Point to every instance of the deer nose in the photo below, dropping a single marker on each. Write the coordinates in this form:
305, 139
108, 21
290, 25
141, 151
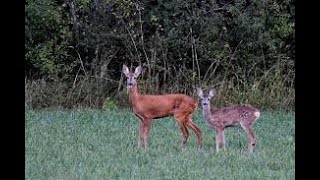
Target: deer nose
205, 104
130, 84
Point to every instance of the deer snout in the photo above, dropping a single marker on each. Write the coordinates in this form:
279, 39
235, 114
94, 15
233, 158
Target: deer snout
205, 104
130, 84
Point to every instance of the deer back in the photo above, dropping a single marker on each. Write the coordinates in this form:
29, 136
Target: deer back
233, 115
157, 106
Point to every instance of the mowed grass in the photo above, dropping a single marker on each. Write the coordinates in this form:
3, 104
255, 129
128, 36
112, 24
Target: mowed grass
92, 144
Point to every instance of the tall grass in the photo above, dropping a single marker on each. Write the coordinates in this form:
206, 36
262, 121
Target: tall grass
270, 89
91, 144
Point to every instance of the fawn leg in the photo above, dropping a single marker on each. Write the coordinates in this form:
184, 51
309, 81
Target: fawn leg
250, 136
252, 140
219, 139
223, 140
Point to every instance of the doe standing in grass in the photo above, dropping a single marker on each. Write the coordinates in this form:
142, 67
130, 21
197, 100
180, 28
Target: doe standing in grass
236, 115
149, 107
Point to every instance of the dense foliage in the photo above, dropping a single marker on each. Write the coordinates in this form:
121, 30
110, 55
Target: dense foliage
245, 48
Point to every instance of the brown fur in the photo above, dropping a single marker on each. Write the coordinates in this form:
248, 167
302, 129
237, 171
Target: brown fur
149, 107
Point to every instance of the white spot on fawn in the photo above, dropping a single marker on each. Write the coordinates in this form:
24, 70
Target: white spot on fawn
257, 114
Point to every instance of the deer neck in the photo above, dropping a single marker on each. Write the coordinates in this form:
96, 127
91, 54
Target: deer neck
134, 95
206, 113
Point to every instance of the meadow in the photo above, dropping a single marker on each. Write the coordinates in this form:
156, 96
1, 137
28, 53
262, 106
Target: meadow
96, 144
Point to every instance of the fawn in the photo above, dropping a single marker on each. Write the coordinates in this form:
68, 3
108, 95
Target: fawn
149, 107
236, 115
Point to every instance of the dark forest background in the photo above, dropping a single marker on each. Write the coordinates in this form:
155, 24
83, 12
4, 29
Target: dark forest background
74, 50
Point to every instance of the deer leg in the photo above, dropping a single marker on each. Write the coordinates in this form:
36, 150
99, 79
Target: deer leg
179, 118
181, 121
196, 130
141, 128
185, 133
146, 132
250, 136
140, 135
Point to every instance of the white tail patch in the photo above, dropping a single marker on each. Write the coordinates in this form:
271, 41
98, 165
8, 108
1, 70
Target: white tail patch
257, 114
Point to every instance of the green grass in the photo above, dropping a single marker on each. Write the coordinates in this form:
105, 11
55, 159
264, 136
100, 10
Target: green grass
92, 144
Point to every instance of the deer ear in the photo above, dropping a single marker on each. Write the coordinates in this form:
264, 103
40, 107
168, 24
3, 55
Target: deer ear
200, 92
125, 70
212, 93
138, 71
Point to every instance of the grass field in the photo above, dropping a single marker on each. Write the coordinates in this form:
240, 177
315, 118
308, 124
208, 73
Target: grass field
92, 144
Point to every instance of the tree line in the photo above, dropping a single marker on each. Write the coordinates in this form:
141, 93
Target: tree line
74, 49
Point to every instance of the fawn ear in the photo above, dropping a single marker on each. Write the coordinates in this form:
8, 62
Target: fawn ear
200, 92
212, 93
125, 70
138, 71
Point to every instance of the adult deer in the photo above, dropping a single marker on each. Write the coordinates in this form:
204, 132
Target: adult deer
236, 115
149, 107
